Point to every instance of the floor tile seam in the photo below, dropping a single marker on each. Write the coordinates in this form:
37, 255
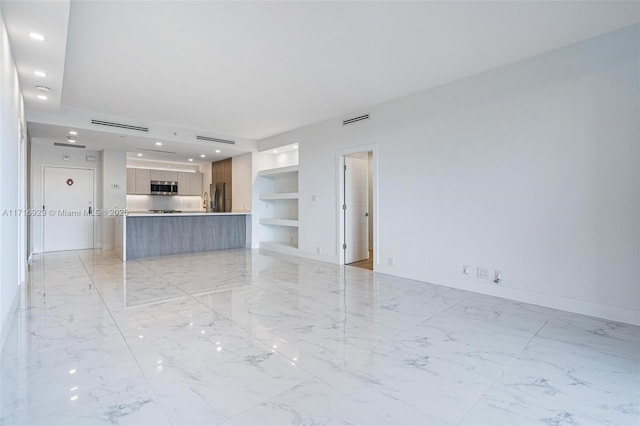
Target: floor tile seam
210, 308
430, 318
126, 342
508, 365
226, 419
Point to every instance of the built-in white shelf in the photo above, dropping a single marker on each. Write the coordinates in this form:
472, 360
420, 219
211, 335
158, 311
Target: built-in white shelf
280, 196
279, 222
279, 247
280, 171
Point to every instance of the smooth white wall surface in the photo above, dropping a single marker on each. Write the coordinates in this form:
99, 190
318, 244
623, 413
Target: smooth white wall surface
241, 176
114, 173
48, 155
11, 114
532, 169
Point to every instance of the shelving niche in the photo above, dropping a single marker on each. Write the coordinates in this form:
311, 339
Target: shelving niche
277, 192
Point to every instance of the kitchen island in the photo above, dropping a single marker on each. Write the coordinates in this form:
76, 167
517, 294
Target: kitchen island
140, 235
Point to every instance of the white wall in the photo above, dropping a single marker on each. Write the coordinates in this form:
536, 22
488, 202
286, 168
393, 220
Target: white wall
114, 191
48, 155
532, 169
241, 176
12, 158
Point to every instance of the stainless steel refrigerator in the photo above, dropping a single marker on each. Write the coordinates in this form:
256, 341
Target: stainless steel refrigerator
218, 195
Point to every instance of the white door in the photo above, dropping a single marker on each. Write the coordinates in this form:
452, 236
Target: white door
356, 215
68, 203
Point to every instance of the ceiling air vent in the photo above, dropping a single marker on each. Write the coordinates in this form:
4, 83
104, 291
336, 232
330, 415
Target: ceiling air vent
120, 125
355, 119
207, 138
69, 145
155, 150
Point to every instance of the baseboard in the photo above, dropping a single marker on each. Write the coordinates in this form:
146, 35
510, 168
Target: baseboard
8, 320
608, 312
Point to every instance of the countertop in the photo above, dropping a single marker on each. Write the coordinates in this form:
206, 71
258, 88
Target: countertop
149, 214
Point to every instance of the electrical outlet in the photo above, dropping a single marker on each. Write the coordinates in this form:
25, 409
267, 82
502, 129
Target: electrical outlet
390, 261
313, 198
466, 269
483, 273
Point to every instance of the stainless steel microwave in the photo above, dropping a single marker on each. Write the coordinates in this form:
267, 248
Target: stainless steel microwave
164, 188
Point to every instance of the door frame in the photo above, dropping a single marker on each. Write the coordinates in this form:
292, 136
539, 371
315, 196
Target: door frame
23, 243
93, 201
340, 155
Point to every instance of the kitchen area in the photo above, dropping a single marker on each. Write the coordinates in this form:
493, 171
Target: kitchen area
185, 208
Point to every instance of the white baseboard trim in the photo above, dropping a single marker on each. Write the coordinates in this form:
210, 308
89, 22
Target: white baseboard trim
583, 307
7, 322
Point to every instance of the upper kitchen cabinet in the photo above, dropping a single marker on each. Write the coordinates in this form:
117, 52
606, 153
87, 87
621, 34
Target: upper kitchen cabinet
196, 183
164, 175
138, 181
184, 183
131, 181
189, 183
143, 181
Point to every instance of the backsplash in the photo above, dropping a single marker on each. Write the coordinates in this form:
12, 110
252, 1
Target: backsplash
144, 203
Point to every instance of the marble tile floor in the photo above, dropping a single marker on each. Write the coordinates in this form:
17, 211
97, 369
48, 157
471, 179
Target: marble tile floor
244, 337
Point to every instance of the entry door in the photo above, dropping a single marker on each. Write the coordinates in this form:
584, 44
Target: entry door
356, 216
68, 203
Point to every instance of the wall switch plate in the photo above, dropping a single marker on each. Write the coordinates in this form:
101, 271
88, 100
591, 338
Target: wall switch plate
483, 273
390, 261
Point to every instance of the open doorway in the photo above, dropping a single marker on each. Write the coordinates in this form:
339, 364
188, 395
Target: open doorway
358, 209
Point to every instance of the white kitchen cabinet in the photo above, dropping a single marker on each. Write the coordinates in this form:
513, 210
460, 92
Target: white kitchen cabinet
196, 183
131, 181
143, 181
164, 175
184, 183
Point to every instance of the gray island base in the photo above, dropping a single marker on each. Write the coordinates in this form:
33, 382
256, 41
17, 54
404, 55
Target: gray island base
167, 234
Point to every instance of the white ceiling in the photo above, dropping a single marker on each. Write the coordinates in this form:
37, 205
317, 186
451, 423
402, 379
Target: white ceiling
255, 69
169, 151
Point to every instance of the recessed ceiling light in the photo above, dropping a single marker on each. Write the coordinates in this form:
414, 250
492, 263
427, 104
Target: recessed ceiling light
139, 154
43, 88
43, 97
275, 151
40, 73
190, 159
71, 140
158, 143
37, 36
295, 147
217, 151
202, 155
73, 132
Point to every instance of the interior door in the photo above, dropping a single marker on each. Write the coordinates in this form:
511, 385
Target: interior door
356, 215
69, 207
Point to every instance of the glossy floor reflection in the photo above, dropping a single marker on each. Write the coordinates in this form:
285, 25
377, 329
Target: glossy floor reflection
247, 338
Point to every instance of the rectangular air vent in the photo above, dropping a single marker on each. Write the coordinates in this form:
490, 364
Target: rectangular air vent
69, 145
207, 138
355, 119
155, 150
120, 125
